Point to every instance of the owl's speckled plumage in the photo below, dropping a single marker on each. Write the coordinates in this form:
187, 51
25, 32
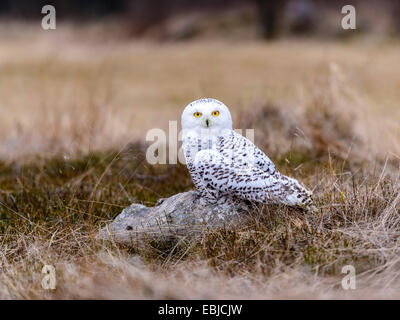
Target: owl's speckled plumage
225, 165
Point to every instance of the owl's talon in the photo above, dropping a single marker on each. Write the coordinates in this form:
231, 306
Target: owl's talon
312, 209
160, 201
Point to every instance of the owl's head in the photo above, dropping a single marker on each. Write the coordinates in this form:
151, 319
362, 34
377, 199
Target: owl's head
206, 115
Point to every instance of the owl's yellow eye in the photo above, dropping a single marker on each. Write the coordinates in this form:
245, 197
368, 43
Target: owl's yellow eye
215, 113
197, 114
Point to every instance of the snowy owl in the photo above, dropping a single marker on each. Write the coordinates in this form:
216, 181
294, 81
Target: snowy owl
225, 165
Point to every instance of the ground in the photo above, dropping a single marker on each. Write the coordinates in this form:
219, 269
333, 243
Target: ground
74, 112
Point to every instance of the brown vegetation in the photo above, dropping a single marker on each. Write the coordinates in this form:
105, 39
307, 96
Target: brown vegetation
72, 130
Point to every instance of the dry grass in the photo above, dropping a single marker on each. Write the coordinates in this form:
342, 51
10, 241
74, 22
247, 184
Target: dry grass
61, 92
327, 114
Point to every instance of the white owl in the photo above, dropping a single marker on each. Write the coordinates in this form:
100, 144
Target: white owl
225, 165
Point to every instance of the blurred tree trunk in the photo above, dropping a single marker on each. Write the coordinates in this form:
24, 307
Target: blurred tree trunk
147, 14
270, 12
396, 15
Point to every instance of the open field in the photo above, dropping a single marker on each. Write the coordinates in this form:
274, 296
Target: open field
74, 112
63, 92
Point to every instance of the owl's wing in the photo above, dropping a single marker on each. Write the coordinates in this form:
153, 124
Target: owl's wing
221, 176
244, 152
231, 170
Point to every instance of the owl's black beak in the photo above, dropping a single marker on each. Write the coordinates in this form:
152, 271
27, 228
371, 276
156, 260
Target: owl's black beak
208, 123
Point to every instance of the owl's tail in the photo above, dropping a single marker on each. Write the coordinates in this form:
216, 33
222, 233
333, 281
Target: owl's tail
298, 195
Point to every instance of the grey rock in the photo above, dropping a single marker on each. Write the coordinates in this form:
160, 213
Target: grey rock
184, 214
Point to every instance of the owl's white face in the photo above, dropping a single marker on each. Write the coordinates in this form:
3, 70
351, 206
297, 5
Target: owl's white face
206, 117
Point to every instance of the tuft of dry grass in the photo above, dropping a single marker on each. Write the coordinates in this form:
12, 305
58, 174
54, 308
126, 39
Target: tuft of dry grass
72, 149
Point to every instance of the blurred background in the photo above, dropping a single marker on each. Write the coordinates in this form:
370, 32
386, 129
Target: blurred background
114, 69
188, 19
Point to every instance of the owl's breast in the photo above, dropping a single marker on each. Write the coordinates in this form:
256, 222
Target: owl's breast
191, 146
